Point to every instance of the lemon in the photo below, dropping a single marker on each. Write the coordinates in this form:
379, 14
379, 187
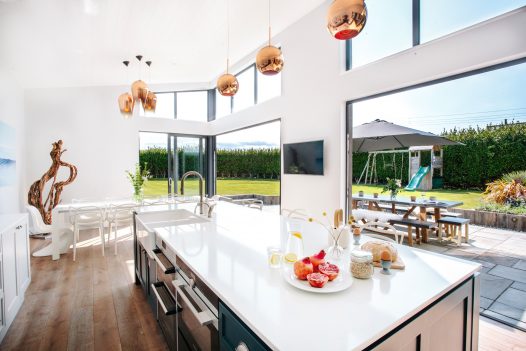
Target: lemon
291, 257
297, 235
274, 259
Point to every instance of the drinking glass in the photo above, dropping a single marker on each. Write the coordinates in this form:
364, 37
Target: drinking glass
274, 256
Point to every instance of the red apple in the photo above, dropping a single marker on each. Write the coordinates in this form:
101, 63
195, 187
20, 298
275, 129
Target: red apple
303, 268
317, 259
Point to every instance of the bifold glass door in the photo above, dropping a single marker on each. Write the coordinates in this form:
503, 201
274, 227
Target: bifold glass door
168, 157
186, 154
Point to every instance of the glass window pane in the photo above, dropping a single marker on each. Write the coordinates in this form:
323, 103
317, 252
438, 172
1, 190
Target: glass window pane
268, 87
192, 105
439, 18
388, 30
245, 95
487, 98
165, 106
222, 105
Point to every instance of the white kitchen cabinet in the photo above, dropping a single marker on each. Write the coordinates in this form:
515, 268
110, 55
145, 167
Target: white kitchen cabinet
15, 272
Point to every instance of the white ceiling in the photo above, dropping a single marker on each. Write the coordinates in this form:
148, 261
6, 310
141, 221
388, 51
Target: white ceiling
83, 42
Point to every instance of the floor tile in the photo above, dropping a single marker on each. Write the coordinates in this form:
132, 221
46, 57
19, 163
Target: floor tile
508, 311
484, 264
460, 254
485, 302
513, 297
504, 319
519, 286
490, 234
520, 265
510, 273
497, 258
491, 287
513, 245
483, 243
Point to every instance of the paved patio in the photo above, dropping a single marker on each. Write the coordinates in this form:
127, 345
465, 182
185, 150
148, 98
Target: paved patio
502, 254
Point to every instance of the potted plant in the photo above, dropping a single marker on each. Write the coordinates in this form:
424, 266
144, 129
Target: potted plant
137, 180
393, 186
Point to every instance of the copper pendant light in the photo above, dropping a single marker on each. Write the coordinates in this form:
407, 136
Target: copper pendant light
125, 100
227, 84
126, 104
269, 60
139, 88
346, 18
149, 103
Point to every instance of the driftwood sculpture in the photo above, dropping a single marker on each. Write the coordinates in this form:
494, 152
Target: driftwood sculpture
34, 197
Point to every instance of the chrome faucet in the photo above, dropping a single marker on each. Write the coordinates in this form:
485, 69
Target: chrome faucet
201, 180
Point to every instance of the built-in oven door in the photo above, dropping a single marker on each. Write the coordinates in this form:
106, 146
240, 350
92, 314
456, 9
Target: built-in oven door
197, 325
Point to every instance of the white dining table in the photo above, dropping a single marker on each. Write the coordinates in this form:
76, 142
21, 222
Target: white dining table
62, 231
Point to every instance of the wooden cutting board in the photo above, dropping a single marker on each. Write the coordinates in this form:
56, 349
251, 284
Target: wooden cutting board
398, 264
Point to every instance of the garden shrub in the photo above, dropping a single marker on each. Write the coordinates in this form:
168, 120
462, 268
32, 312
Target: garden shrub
236, 163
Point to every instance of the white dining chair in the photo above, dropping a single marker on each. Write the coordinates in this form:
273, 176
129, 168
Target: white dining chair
119, 216
86, 217
36, 223
298, 213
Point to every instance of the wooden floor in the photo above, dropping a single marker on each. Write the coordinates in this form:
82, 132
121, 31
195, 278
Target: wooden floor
90, 304
93, 304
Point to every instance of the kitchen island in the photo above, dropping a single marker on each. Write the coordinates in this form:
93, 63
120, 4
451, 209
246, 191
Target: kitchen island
432, 305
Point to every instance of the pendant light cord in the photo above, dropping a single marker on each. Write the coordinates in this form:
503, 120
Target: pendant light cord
269, 30
227, 34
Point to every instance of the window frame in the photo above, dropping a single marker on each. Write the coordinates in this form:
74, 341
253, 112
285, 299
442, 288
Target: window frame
416, 30
349, 115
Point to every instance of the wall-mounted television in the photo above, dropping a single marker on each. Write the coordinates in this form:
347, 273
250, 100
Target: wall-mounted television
303, 158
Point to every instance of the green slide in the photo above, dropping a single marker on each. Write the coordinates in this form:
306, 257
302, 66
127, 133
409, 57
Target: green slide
417, 178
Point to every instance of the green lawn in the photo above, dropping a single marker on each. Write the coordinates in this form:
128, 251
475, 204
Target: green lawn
470, 198
159, 187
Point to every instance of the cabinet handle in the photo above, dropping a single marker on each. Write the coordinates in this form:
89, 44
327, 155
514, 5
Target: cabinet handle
203, 317
242, 347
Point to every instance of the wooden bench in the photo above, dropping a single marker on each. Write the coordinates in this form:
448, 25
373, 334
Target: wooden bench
453, 226
420, 227
443, 213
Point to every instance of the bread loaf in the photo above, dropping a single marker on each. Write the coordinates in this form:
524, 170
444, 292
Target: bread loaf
376, 247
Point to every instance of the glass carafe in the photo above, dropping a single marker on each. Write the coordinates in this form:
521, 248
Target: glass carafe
294, 249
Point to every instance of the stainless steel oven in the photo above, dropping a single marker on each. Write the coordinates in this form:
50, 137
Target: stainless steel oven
197, 319
188, 309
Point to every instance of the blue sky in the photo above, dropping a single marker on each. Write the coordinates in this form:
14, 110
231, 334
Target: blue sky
471, 101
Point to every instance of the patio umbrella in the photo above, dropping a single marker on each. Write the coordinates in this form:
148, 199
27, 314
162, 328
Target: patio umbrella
382, 135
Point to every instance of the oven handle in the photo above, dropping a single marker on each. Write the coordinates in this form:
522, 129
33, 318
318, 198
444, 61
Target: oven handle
203, 318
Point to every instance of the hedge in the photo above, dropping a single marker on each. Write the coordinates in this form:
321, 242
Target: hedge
252, 163
488, 153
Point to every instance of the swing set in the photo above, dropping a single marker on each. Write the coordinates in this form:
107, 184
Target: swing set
370, 169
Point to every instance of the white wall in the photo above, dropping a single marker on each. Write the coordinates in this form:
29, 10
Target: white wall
12, 197
314, 91
99, 141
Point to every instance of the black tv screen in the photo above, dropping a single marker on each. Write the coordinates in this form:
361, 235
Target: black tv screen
303, 158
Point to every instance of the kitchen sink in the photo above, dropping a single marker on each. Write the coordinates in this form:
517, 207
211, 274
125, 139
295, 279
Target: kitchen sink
170, 218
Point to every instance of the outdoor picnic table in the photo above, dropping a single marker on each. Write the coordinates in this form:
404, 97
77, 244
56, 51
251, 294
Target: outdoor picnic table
422, 204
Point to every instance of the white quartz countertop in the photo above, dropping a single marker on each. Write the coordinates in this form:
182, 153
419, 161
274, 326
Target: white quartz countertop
229, 252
